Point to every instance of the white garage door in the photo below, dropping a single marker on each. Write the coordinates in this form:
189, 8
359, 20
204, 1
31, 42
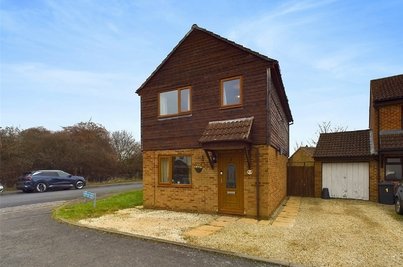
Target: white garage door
346, 180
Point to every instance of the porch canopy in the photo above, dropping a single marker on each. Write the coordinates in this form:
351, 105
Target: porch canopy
227, 135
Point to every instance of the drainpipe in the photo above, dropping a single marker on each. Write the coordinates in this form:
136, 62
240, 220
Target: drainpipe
378, 142
268, 88
257, 185
154, 177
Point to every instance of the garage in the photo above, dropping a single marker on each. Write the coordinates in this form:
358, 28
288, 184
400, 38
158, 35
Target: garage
346, 180
345, 163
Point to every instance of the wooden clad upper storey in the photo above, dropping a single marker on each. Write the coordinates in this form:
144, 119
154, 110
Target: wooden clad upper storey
208, 78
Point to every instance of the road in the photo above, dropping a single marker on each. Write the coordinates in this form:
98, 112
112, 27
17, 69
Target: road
19, 198
30, 237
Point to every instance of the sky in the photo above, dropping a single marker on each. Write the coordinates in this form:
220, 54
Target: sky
63, 62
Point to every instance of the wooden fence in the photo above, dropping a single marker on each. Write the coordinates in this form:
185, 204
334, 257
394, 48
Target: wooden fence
301, 179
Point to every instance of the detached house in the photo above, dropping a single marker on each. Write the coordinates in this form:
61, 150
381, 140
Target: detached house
352, 164
215, 129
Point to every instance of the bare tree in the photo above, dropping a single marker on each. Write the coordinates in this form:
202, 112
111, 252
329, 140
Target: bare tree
325, 127
85, 148
128, 152
297, 145
124, 144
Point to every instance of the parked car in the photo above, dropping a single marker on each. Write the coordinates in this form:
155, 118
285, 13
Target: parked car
399, 198
42, 180
1, 188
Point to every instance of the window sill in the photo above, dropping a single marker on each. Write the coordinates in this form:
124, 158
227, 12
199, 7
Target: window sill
231, 107
175, 185
174, 117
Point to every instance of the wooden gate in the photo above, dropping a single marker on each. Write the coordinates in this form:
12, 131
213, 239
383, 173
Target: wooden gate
301, 179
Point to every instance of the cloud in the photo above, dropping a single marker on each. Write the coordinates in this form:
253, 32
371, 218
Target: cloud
309, 33
40, 78
292, 7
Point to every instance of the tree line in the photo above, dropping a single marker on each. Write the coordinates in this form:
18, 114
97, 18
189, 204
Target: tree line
85, 149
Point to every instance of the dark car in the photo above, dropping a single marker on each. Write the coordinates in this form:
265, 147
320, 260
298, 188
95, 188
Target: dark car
42, 180
399, 198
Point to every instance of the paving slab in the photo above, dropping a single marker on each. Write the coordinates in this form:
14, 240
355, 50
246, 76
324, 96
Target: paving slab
248, 221
290, 221
198, 233
227, 219
203, 230
286, 218
291, 208
210, 228
219, 223
281, 224
264, 222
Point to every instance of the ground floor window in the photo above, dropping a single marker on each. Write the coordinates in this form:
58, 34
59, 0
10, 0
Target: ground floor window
175, 170
393, 169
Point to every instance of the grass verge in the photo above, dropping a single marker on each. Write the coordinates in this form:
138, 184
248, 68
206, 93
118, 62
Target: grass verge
114, 181
77, 211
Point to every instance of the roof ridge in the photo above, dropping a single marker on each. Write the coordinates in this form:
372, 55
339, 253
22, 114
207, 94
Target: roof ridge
383, 78
352, 131
196, 27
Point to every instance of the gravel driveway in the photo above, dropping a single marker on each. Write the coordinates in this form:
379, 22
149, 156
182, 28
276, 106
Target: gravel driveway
325, 233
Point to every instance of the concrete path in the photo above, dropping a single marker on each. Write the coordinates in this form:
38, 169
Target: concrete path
287, 216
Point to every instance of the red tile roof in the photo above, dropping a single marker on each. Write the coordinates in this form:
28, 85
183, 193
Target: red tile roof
228, 130
389, 88
344, 144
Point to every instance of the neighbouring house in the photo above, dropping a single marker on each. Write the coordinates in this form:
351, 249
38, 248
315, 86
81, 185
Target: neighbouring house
302, 156
215, 129
352, 164
386, 122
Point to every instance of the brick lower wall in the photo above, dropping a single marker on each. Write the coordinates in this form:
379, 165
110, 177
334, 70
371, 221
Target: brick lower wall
277, 178
318, 178
202, 196
373, 180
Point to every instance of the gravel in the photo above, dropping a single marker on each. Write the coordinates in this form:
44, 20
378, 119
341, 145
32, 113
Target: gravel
325, 233
168, 225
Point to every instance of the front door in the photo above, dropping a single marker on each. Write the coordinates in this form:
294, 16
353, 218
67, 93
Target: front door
230, 182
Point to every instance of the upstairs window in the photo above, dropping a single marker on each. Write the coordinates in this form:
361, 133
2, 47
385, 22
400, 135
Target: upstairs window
175, 102
231, 92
